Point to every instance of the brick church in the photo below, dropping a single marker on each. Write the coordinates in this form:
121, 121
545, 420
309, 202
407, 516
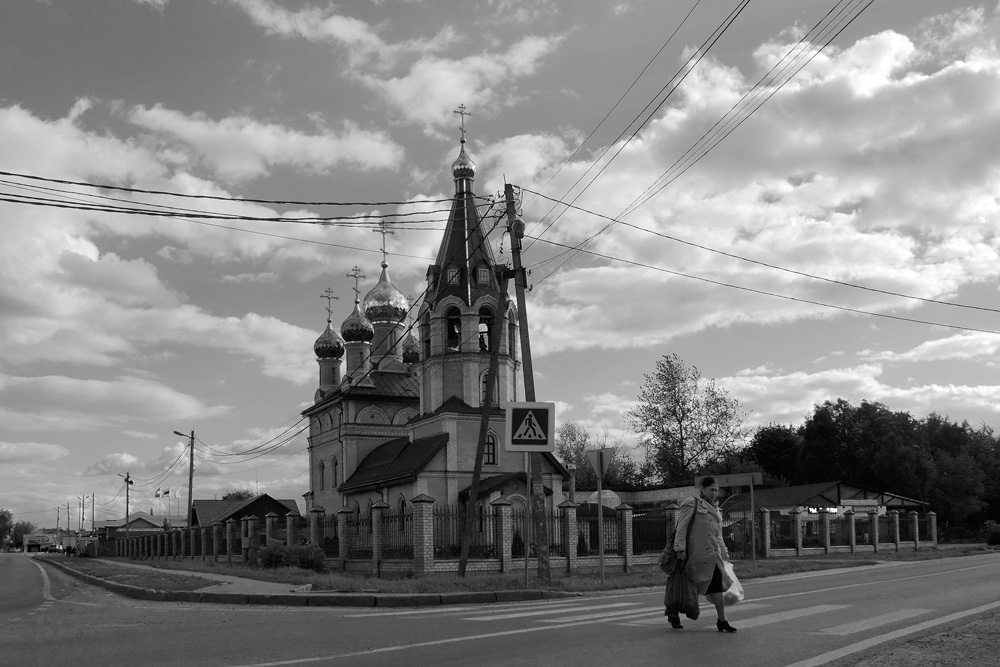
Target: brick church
398, 409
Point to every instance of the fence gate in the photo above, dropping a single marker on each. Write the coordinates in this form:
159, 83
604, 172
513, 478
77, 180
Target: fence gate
738, 520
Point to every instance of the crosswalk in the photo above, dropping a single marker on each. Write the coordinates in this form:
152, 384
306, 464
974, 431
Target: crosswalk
641, 614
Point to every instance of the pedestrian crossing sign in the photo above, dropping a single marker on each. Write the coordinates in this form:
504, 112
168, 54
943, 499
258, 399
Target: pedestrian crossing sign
530, 427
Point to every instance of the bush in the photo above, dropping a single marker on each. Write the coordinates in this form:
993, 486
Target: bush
304, 556
992, 533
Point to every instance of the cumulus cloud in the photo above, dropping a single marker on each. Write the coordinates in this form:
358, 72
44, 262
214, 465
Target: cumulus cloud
240, 147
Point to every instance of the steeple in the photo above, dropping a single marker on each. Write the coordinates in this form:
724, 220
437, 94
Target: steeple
329, 349
358, 333
386, 307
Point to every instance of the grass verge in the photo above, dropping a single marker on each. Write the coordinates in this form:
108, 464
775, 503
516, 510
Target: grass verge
182, 575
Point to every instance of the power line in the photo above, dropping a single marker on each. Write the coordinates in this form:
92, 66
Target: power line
766, 264
773, 294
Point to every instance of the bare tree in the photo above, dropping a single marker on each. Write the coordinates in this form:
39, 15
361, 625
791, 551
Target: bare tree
685, 422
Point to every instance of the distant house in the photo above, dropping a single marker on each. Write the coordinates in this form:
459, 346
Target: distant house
833, 497
209, 512
138, 523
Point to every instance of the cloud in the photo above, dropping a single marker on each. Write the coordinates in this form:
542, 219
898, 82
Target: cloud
68, 404
240, 147
112, 463
30, 452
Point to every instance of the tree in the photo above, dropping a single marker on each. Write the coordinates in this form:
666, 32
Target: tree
239, 494
6, 525
684, 422
775, 449
571, 446
20, 529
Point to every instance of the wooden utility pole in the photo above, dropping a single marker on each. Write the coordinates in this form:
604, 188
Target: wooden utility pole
190, 476
499, 322
515, 228
128, 519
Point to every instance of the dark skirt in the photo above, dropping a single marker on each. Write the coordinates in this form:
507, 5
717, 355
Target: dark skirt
715, 586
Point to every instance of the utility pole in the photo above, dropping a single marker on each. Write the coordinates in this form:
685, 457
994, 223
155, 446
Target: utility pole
128, 485
93, 515
83, 505
515, 228
190, 476
58, 512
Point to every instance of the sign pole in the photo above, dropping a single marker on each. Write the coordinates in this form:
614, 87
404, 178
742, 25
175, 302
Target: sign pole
525, 538
753, 528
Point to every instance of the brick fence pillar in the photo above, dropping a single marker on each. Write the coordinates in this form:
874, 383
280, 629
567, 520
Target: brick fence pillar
852, 533
932, 526
344, 536
423, 533
178, 543
216, 541
185, 538
570, 531
270, 526
795, 525
915, 527
203, 539
873, 528
824, 522
230, 539
291, 524
378, 539
502, 530
624, 512
765, 525
316, 516
895, 527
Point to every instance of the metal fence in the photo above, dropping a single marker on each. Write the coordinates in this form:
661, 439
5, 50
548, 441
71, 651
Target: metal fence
782, 536
397, 533
812, 533
448, 525
329, 540
886, 528
587, 539
651, 530
840, 531
360, 528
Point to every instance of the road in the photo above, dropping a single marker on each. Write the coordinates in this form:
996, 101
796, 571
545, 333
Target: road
806, 621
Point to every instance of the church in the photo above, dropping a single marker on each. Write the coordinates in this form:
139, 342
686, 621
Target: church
398, 408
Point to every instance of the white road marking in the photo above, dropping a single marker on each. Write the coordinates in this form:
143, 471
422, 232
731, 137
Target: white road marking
611, 615
438, 609
750, 606
792, 614
550, 610
873, 622
836, 654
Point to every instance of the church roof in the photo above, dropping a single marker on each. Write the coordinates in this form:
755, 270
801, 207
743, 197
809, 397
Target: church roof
394, 462
488, 485
385, 384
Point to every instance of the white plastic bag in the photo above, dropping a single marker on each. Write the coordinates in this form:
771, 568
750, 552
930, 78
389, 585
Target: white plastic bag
734, 593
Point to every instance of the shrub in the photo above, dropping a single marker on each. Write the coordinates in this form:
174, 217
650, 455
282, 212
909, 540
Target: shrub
992, 533
271, 556
306, 556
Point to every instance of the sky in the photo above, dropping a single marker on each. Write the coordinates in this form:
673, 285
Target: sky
797, 197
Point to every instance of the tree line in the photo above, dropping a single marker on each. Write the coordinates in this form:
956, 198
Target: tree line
688, 426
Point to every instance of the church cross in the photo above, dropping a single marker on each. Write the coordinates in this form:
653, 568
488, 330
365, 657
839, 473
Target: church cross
357, 275
328, 295
463, 113
384, 231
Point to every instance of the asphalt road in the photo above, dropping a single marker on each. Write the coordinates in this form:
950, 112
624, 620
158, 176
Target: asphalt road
48, 618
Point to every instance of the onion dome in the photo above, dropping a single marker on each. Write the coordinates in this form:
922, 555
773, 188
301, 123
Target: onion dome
411, 350
357, 327
329, 345
463, 167
385, 302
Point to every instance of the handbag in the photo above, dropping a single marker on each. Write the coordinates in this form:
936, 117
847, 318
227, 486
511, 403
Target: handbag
668, 557
681, 596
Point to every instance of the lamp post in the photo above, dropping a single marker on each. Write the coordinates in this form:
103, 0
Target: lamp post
190, 475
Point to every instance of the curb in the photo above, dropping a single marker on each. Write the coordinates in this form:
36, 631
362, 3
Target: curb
313, 598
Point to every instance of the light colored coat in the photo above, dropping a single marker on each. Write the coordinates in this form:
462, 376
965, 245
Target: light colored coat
707, 549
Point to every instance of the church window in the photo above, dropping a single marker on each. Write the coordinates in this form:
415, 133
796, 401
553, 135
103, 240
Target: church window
490, 451
401, 506
334, 466
482, 390
452, 276
357, 518
453, 324
485, 325
484, 276
322, 475
425, 334
511, 338
369, 517
480, 518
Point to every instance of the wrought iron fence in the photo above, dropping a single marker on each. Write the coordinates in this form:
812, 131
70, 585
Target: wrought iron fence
651, 530
329, 540
840, 531
448, 525
886, 529
781, 528
360, 528
862, 529
523, 534
554, 523
905, 528
587, 540
397, 534
812, 533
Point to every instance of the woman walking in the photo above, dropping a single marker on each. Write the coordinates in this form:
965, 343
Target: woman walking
706, 553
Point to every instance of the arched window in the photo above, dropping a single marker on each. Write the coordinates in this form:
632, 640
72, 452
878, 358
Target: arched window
322, 475
334, 466
490, 451
425, 334
511, 338
357, 518
401, 506
453, 327
494, 400
370, 503
485, 326
480, 518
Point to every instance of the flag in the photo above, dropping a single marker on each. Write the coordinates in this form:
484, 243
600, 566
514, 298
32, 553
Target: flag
157, 494
167, 492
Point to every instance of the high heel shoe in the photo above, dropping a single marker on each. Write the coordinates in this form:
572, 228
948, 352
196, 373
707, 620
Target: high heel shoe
723, 626
675, 622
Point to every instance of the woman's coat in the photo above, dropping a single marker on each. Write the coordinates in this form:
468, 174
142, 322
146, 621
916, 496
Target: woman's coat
707, 549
